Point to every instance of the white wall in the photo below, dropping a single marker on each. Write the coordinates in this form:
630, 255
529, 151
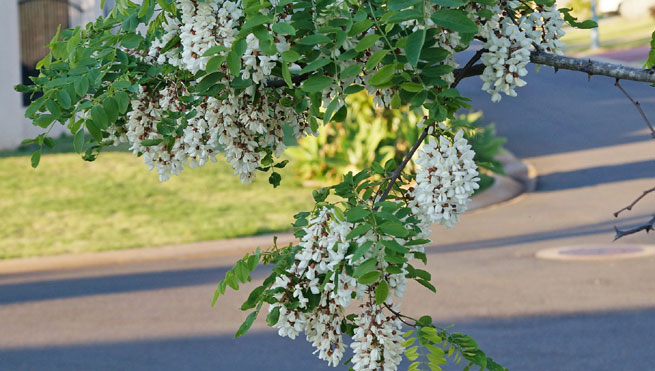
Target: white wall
11, 110
14, 127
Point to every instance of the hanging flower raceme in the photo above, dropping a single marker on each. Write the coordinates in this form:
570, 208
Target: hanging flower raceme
446, 179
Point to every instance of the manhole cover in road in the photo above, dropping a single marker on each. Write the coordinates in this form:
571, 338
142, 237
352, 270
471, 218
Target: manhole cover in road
596, 252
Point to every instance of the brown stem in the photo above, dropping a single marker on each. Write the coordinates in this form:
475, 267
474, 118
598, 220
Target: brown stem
637, 106
401, 316
629, 207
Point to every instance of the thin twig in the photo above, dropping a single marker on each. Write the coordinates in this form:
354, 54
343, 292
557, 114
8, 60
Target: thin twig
401, 316
629, 207
649, 226
638, 106
396, 173
461, 73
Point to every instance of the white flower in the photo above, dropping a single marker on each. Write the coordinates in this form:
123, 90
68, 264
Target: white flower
446, 179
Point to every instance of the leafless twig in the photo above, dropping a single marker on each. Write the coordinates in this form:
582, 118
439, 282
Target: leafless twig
638, 106
629, 207
649, 226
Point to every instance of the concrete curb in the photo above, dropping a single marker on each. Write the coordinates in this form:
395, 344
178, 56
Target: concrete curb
520, 178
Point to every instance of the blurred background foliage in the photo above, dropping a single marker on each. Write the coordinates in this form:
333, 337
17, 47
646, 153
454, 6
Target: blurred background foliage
369, 134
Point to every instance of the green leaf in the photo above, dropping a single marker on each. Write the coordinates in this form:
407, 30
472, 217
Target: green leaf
131, 41
412, 87
414, 46
123, 101
356, 214
36, 158
316, 83
434, 55
290, 56
650, 62
99, 117
275, 179
111, 109
151, 142
454, 19
253, 298
174, 42
405, 15
383, 76
94, 130
286, 74
352, 89
208, 81
245, 326
283, 28
78, 141
361, 250
214, 50
360, 27
214, 63
366, 42
449, 3
256, 20
358, 231
234, 63
425, 321
369, 278
273, 317
381, 292
220, 290
52, 107
64, 98
375, 59
351, 71
322, 62
393, 245
427, 284
314, 40
366, 267
394, 229
573, 21
400, 4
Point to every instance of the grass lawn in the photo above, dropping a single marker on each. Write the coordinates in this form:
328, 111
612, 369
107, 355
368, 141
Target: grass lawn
614, 33
68, 205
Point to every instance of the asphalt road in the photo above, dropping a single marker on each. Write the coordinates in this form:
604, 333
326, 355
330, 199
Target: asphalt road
593, 155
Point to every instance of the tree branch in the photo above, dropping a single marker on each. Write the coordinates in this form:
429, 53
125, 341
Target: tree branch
638, 106
396, 173
629, 207
649, 226
617, 71
590, 67
461, 72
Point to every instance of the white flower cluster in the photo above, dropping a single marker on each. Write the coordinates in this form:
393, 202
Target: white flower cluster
378, 339
544, 27
244, 125
509, 41
241, 127
446, 179
323, 251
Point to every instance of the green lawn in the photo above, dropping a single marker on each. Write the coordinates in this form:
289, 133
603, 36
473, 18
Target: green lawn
67, 205
614, 33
